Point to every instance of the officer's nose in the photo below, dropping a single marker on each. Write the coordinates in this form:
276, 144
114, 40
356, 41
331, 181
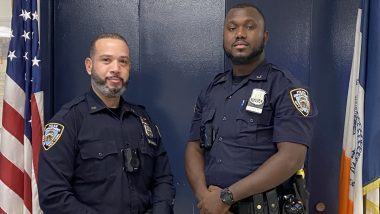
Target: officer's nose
115, 66
241, 33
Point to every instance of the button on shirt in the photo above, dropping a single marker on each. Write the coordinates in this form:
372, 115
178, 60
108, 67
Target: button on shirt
83, 172
244, 140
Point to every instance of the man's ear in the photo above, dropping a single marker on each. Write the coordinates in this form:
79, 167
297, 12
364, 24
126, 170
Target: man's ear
266, 37
88, 64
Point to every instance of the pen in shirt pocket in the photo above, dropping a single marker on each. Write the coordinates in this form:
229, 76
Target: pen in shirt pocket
242, 105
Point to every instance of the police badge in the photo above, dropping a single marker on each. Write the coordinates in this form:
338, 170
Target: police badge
148, 132
256, 101
52, 133
300, 99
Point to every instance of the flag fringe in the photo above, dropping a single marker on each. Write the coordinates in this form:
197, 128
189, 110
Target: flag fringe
371, 186
371, 207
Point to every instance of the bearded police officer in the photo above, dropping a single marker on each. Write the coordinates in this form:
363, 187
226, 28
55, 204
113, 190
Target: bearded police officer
251, 128
101, 154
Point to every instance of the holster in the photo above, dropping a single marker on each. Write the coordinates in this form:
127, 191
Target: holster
296, 198
301, 191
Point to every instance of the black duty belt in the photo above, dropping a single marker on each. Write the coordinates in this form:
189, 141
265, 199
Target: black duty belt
262, 203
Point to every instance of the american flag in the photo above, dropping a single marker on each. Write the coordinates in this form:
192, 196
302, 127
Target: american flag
21, 135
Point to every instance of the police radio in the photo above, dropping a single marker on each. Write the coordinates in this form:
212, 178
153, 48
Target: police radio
292, 205
131, 160
296, 203
207, 136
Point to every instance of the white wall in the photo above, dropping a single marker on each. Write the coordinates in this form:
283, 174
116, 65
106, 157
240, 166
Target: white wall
5, 20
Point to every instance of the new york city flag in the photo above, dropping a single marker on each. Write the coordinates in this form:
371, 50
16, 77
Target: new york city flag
360, 160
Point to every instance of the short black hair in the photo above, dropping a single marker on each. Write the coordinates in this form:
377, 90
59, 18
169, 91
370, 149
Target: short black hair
245, 5
105, 36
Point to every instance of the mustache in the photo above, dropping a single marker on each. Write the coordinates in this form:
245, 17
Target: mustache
240, 42
115, 77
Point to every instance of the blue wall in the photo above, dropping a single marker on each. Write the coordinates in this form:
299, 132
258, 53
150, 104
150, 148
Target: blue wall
176, 49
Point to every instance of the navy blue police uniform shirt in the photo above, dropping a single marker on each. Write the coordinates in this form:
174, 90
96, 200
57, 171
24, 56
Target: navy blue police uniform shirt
81, 166
243, 139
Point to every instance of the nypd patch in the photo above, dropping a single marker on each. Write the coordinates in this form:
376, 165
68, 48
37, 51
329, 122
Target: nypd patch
300, 98
52, 133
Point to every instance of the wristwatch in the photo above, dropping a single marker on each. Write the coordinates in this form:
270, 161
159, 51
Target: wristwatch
227, 197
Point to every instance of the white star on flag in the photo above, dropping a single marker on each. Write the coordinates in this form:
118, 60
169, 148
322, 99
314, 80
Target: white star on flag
25, 14
35, 61
26, 56
35, 15
25, 35
12, 55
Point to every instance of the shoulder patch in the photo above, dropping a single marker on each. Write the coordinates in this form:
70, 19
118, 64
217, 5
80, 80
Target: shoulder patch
300, 99
52, 133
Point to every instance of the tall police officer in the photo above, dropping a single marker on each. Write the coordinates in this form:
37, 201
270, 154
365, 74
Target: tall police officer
101, 154
251, 127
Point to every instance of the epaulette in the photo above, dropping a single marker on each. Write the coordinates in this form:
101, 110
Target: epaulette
220, 77
66, 107
137, 108
287, 74
74, 102
141, 106
275, 67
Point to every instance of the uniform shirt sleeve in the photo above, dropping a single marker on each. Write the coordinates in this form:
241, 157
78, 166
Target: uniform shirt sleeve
292, 123
56, 168
197, 118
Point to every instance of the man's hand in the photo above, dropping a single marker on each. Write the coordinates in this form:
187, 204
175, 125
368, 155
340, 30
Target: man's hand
210, 203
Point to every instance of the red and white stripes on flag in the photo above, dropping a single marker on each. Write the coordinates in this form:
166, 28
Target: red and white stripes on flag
22, 122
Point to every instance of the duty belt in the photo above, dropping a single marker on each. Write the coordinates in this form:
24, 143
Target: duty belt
262, 203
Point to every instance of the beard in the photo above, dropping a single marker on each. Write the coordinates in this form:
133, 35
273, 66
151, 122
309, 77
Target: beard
104, 89
243, 60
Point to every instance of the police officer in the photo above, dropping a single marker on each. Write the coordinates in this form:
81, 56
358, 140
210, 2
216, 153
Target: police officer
252, 125
101, 154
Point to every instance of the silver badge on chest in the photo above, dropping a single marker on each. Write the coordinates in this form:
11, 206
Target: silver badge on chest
256, 101
148, 132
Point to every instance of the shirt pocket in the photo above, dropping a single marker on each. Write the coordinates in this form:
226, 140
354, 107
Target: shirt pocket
264, 133
246, 128
99, 160
255, 128
207, 116
265, 118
